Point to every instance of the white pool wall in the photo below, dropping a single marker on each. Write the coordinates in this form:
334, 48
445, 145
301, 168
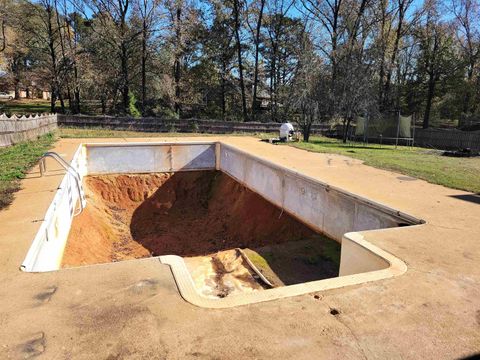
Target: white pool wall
46, 251
324, 208
150, 158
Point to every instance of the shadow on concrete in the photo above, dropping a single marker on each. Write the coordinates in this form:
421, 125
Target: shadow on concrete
473, 198
471, 357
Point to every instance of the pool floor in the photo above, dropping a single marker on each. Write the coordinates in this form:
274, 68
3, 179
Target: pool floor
203, 216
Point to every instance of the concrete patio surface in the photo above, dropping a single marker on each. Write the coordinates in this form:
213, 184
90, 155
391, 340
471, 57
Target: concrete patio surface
132, 309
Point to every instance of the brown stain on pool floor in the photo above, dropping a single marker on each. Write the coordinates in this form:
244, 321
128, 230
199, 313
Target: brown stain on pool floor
189, 214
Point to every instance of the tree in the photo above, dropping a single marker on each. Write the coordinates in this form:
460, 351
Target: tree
111, 23
220, 49
316, 60
283, 38
436, 54
256, 42
43, 39
310, 88
15, 52
467, 15
328, 14
73, 22
236, 15
148, 11
4, 10
401, 10
183, 39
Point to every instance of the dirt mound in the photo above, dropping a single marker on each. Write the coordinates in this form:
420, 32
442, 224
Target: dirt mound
185, 213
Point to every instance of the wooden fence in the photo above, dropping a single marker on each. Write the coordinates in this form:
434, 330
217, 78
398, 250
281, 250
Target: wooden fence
447, 139
430, 138
15, 129
166, 125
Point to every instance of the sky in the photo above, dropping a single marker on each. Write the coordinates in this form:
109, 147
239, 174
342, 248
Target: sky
294, 10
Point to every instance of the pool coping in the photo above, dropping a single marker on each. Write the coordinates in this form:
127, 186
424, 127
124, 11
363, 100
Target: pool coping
189, 293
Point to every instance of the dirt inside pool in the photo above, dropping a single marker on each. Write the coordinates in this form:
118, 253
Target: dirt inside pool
203, 216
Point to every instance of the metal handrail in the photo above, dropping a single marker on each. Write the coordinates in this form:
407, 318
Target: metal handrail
65, 164
69, 168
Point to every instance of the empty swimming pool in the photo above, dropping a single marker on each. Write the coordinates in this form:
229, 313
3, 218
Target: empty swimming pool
234, 228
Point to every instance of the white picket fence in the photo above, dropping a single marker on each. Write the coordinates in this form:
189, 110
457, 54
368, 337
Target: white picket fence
15, 129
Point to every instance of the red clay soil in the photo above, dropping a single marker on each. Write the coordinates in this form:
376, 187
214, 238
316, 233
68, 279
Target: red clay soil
185, 213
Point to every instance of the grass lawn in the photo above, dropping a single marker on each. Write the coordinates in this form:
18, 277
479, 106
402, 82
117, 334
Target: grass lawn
15, 161
25, 106
457, 173
68, 132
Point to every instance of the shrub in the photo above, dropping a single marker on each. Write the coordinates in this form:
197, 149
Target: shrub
132, 107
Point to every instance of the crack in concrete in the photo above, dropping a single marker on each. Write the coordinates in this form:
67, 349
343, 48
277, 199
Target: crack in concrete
337, 314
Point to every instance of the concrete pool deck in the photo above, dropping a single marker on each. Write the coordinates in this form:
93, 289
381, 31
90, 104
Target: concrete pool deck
132, 309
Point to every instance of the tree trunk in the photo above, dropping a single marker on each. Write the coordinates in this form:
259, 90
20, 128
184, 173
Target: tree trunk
257, 50
272, 80
177, 75
466, 98
76, 92
144, 65
3, 45
393, 59
239, 55
306, 129
17, 89
125, 89
62, 103
72, 45
381, 76
16, 72
178, 63
53, 99
125, 84
103, 102
64, 57
346, 127
333, 55
113, 105
430, 94
55, 86
224, 70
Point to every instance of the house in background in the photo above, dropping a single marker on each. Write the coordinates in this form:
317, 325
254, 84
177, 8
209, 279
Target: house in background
29, 93
34, 93
25, 89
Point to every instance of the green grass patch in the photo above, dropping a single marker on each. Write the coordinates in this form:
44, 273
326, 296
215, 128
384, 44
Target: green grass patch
258, 260
331, 250
15, 161
25, 106
94, 132
429, 165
